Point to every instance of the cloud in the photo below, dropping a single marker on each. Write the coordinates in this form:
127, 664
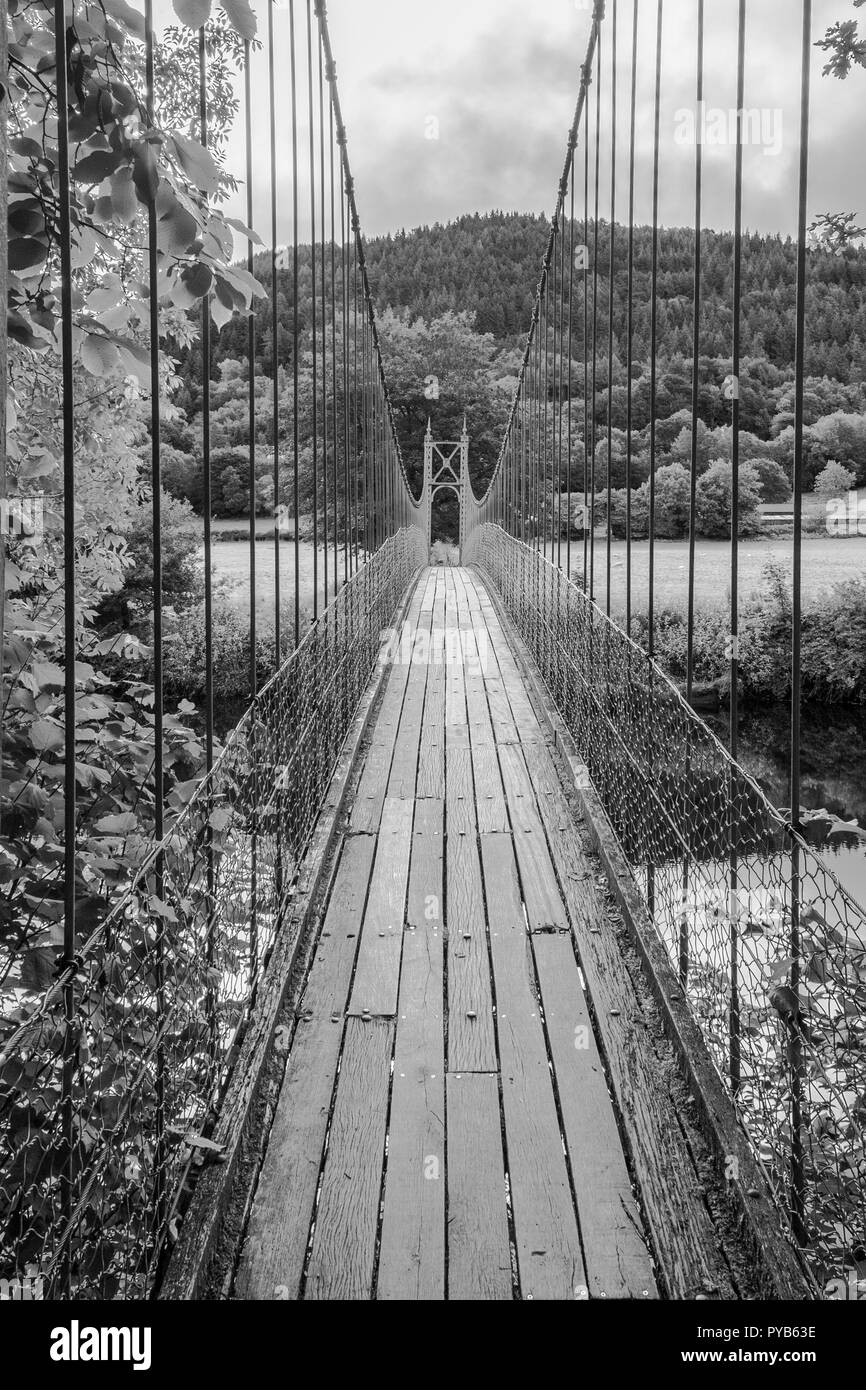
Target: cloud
500, 77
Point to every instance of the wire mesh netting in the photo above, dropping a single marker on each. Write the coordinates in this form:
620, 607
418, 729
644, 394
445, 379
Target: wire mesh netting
770, 949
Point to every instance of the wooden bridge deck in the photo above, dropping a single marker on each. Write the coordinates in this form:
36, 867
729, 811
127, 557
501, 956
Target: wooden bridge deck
446, 1127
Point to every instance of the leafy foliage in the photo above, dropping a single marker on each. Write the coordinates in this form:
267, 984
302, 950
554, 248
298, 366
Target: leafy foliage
121, 166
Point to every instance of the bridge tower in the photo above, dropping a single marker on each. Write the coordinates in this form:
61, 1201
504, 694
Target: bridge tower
446, 465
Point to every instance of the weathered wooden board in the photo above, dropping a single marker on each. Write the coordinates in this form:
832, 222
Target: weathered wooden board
618, 1259
490, 808
343, 1252
477, 663
279, 1224
544, 905
549, 1257
456, 721
522, 712
501, 718
404, 767
425, 906
412, 1257
373, 785
471, 1039
460, 792
378, 971
479, 1258
431, 756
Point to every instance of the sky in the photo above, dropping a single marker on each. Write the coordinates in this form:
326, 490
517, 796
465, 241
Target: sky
502, 77
455, 106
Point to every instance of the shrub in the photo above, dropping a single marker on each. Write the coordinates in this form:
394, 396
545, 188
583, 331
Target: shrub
184, 656
834, 643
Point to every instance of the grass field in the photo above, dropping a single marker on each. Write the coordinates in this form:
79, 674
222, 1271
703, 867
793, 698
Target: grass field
826, 561
231, 570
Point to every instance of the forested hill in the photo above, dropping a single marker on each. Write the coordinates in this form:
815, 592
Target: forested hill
489, 264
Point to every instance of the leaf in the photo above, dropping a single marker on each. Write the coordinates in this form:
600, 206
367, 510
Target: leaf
177, 230
197, 279
161, 909
219, 819
25, 252
122, 824
23, 332
26, 221
118, 9
46, 736
240, 17
98, 354
96, 166
48, 675
781, 968
124, 203
197, 163
243, 230
198, 1141
193, 13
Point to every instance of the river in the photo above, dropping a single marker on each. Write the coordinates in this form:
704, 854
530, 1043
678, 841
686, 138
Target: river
833, 763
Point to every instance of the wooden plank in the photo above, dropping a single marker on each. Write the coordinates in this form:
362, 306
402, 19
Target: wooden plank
501, 720
431, 757
425, 899
504, 727
522, 711
279, 1225
471, 1035
378, 971
618, 1259
456, 722
471, 1039
412, 1258
490, 808
460, 792
479, 1260
404, 767
366, 811
541, 894
344, 1240
549, 1257
373, 784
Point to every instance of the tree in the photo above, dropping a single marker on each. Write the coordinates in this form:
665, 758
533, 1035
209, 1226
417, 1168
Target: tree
841, 436
713, 500
845, 47
834, 480
775, 484
672, 492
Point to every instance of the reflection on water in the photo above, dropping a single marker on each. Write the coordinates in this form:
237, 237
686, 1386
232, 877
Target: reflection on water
833, 777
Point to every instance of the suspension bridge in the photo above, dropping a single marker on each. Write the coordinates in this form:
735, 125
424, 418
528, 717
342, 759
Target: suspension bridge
475, 967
